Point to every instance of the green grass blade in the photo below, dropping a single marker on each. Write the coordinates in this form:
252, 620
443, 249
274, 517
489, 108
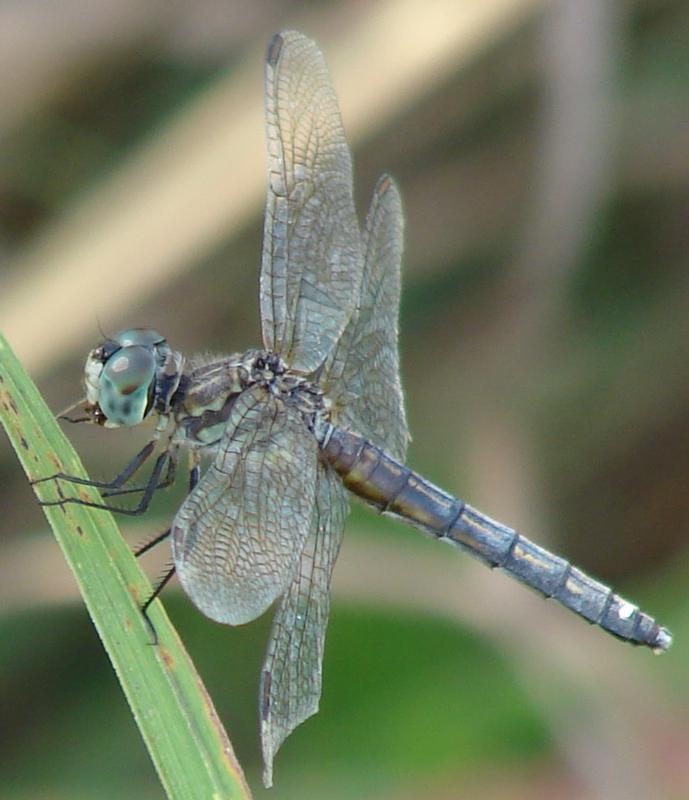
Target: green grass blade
189, 747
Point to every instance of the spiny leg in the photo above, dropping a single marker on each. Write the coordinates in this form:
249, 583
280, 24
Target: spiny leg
151, 543
168, 480
157, 589
119, 480
148, 492
194, 475
160, 537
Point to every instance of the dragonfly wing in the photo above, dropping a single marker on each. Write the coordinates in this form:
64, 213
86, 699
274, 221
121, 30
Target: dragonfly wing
312, 252
237, 538
291, 675
362, 376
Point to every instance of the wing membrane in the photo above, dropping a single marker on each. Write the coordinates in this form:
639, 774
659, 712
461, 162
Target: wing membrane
362, 377
237, 537
291, 675
312, 253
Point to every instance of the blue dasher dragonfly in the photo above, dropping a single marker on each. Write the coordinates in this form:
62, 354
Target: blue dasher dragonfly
292, 428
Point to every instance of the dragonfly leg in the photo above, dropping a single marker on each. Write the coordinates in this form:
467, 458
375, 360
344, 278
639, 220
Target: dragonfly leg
148, 492
168, 480
151, 543
157, 589
119, 480
194, 475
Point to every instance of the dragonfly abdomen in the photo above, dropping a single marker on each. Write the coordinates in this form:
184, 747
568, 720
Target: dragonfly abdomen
393, 489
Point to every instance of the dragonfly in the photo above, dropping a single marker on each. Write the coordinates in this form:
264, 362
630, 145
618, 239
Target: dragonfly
286, 432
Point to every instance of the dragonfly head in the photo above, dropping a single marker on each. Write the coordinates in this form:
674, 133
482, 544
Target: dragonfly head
126, 375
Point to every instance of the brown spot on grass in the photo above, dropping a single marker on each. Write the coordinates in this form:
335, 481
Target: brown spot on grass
80, 530
167, 658
134, 592
23, 443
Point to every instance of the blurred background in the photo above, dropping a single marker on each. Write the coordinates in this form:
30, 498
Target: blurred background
542, 150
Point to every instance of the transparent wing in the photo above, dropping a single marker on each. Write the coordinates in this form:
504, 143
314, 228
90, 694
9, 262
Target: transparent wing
291, 675
237, 537
362, 376
312, 253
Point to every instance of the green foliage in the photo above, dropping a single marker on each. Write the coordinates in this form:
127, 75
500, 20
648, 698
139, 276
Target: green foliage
185, 739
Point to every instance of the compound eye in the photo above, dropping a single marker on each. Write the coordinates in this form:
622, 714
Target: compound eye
141, 337
127, 386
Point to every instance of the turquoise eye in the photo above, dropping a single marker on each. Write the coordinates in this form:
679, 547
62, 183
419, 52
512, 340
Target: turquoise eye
125, 392
146, 337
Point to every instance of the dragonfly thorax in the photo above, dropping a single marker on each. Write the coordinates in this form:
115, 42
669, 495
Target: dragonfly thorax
210, 386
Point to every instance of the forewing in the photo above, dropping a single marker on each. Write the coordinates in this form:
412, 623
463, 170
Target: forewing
362, 377
312, 252
291, 675
237, 538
